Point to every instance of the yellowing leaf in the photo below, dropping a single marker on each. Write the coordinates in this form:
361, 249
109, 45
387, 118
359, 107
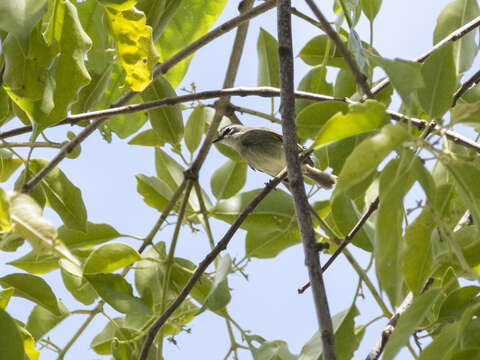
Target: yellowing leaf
133, 39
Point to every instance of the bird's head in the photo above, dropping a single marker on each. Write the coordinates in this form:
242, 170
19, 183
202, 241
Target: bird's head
230, 134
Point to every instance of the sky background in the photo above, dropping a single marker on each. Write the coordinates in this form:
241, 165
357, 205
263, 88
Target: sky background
267, 304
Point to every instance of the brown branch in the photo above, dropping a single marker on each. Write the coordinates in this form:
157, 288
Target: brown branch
39, 144
382, 340
466, 85
452, 37
182, 54
360, 77
192, 173
348, 239
295, 179
203, 265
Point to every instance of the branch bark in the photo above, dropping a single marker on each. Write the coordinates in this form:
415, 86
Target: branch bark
465, 86
295, 179
360, 77
222, 244
453, 36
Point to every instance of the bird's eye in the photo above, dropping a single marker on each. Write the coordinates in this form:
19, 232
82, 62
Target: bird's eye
227, 131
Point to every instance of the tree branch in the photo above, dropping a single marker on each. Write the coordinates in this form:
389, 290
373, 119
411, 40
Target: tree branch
466, 85
229, 81
452, 37
202, 266
295, 179
348, 239
182, 54
360, 77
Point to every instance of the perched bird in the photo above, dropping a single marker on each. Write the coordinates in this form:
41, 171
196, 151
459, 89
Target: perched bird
262, 149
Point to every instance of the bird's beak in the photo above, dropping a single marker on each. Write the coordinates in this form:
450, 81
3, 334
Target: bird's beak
218, 138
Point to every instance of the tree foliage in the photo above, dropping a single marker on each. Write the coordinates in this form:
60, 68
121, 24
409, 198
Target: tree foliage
69, 61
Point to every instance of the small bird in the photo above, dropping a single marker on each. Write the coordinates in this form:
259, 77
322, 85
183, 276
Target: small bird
262, 149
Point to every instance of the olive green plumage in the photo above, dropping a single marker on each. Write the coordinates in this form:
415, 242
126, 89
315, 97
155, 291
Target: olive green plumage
262, 149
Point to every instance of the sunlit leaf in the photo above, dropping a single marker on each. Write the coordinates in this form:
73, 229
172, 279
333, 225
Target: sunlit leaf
229, 179
370, 8
133, 40
41, 321
147, 138
33, 288
268, 64
20, 16
195, 125
154, 191
95, 234
11, 341
110, 257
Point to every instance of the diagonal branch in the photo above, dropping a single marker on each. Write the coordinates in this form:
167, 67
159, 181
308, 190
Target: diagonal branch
360, 77
203, 265
295, 177
465, 86
182, 54
452, 37
348, 239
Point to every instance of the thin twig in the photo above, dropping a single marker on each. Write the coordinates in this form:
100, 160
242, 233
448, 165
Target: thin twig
360, 77
31, 145
465, 86
382, 340
348, 239
453, 36
295, 177
192, 172
221, 245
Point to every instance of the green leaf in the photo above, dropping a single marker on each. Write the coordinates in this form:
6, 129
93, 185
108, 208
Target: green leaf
110, 257
77, 285
466, 175
192, 20
440, 80
155, 192
71, 73
269, 350
409, 321
457, 302
11, 341
147, 138
33, 288
345, 340
118, 4
158, 13
35, 263
228, 179
6, 108
135, 50
346, 215
345, 84
149, 274
274, 213
417, 255
117, 292
219, 295
195, 125
122, 125
168, 169
370, 8
315, 81
313, 53
8, 165
405, 76
41, 321
313, 117
95, 234
361, 118
93, 92
5, 296
394, 184
5, 220
357, 50
29, 223
454, 15
268, 64
368, 155
167, 121
64, 197
20, 16
268, 244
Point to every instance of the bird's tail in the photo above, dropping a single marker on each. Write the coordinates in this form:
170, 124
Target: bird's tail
323, 179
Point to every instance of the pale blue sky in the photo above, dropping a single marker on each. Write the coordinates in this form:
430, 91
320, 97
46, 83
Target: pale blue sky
267, 304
